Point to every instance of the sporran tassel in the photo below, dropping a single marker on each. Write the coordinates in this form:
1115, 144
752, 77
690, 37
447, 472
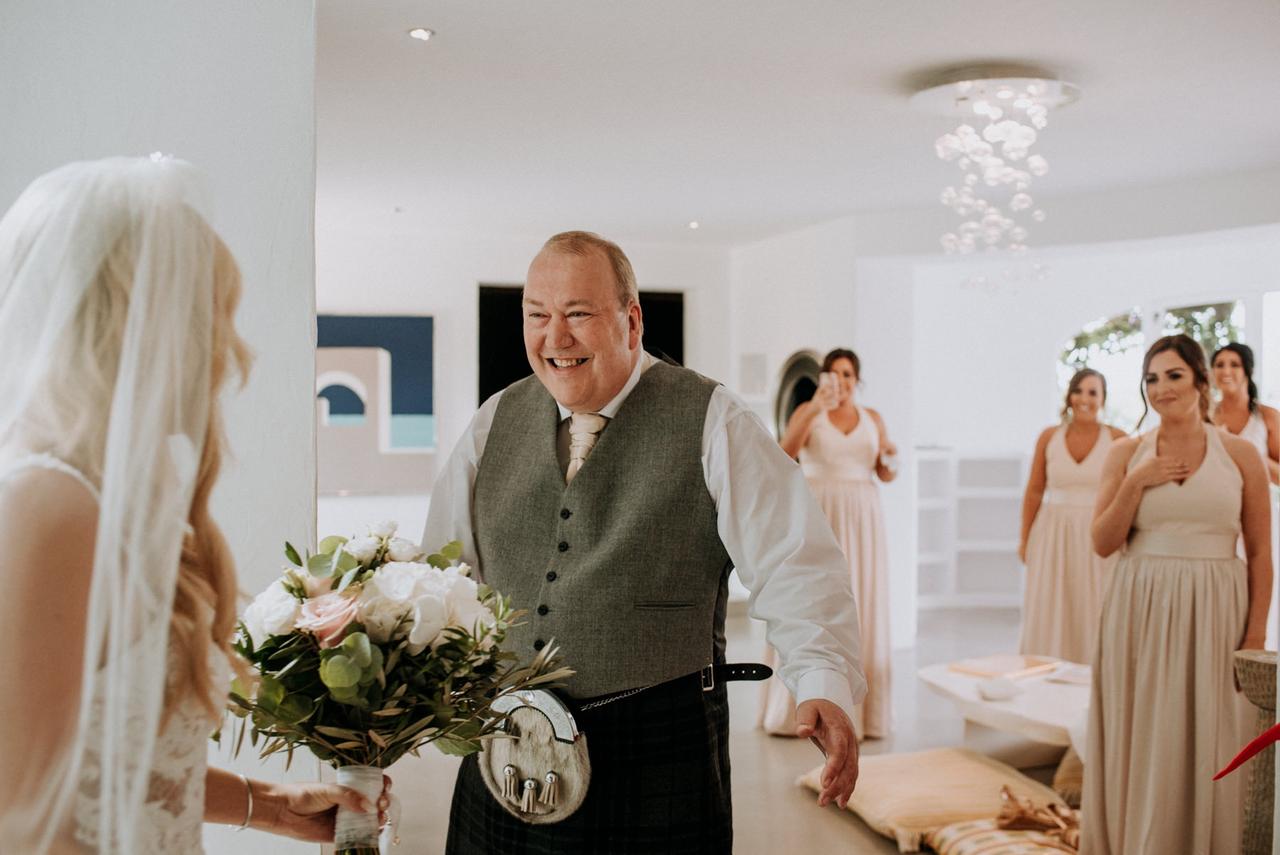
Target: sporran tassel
509, 783
551, 792
530, 793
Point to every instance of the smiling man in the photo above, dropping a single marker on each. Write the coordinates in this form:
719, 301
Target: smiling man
610, 495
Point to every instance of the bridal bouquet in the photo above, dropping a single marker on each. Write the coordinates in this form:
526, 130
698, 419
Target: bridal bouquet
369, 650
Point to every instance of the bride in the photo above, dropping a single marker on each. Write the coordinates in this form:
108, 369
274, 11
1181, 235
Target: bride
116, 335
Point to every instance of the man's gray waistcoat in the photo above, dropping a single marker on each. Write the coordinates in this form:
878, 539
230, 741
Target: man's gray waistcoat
623, 567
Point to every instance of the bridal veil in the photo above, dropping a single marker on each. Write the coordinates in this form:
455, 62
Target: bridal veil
133, 375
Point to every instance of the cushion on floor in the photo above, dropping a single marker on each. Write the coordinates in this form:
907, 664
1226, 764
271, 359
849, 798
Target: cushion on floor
1068, 780
982, 837
905, 796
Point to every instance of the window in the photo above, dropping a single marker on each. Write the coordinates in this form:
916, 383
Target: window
1212, 324
1114, 346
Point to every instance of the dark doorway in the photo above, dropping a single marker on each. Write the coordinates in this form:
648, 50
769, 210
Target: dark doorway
502, 357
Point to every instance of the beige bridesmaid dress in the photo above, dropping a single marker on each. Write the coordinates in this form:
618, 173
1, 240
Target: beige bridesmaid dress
1066, 580
1164, 713
840, 471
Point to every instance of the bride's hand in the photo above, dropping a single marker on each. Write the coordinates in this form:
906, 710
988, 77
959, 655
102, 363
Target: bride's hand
307, 811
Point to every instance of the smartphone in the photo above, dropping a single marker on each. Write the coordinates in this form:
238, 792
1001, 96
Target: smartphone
827, 380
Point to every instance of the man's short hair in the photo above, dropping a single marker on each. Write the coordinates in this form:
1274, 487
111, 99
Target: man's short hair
585, 244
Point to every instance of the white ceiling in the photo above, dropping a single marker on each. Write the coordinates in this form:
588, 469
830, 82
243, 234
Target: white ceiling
754, 116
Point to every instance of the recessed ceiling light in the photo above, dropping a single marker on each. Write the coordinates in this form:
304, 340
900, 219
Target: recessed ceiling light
422, 34
693, 224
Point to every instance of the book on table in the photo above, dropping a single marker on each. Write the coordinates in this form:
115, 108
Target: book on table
1008, 665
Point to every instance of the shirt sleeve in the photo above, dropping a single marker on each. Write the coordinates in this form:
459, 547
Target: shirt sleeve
785, 553
449, 515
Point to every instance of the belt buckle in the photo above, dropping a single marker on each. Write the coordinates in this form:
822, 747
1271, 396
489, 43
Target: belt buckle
708, 677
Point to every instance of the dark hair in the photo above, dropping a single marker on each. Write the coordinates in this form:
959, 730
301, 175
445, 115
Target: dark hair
1246, 361
1074, 386
1191, 353
841, 353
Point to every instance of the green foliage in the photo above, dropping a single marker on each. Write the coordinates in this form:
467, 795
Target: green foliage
1109, 335
1210, 325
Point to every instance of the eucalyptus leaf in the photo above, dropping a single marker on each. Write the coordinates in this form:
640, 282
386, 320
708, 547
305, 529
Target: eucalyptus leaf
292, 554
330, 544
346, 562
339, 672
437, 561
356, 646
452, 550
320, 565
270, 691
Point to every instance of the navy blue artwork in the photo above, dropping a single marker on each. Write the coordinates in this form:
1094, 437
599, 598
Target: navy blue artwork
408, 340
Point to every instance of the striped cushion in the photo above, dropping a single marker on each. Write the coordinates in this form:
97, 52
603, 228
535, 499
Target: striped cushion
981, 837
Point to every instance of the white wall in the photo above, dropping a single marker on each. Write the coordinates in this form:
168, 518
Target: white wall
227, 86
989, 358
440, 273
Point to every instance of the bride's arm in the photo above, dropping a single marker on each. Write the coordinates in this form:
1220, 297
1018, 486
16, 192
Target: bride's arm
304, 811
47, 526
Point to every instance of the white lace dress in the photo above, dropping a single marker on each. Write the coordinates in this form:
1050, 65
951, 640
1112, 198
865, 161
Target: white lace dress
173, 811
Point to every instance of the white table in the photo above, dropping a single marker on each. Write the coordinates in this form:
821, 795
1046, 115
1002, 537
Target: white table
1029, 729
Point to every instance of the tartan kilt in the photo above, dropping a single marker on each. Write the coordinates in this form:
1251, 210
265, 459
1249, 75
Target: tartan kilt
659, 784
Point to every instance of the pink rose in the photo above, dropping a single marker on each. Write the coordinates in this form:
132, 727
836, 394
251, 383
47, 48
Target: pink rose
327, 616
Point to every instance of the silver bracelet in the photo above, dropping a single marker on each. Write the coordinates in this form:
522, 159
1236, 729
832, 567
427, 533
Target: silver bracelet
248, 812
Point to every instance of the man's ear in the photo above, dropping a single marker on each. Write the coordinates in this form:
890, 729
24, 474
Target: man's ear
635, 326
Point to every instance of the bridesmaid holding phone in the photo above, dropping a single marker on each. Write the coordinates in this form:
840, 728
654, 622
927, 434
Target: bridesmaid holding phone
843, 449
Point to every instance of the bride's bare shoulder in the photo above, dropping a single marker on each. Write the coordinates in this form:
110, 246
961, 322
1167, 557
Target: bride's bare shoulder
47, 512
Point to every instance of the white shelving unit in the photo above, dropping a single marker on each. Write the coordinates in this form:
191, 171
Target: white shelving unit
969, 508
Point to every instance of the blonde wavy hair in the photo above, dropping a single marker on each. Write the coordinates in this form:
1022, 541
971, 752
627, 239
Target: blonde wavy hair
68, 423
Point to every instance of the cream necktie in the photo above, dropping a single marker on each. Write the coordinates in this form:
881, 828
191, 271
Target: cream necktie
584, 429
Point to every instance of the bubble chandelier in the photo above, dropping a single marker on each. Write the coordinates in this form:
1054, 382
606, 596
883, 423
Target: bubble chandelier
1002, 110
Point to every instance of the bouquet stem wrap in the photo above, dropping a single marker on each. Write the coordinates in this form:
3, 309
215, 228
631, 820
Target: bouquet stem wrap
355, 831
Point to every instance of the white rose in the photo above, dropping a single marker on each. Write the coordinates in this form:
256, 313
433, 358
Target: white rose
362, 549
459, 585
273, 612
473, 616
385, 599
430, 617
383, 529
399, 549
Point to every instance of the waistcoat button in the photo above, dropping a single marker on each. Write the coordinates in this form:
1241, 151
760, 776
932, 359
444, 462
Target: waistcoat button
542, 610
551, 576
539, 644
565, 513
564, 547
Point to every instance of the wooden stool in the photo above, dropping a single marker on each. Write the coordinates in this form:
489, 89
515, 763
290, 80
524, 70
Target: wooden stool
1256, 671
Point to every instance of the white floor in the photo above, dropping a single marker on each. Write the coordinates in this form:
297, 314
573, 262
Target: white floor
771, 814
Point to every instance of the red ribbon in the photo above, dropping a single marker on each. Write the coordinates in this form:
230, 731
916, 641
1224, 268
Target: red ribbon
1268, 736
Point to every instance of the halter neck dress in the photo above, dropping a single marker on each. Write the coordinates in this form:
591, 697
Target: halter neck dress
1164, 714
1066, 579
840, 471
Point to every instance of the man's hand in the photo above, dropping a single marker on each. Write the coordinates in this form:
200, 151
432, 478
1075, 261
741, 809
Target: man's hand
826, 726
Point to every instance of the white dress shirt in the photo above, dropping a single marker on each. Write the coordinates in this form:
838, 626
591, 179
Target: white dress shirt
778, 538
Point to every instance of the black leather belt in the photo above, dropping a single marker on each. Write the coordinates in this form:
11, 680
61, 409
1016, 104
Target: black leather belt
706, 679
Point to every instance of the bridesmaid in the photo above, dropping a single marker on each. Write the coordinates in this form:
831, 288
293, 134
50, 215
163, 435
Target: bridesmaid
842, 448
1164, 713
1066, 579
1238, 410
